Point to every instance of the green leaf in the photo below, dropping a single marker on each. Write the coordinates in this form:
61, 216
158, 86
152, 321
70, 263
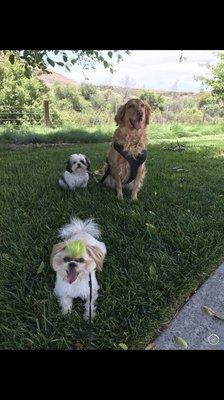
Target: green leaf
151, 226
27, 72
12, 58
40, 268
60, 63
51, 62
219, 316
180, 342
79, 346
151, 346
207, 310
111, 70
152, 270
123, 346
105, 63
65, 58
110, 54
25, 53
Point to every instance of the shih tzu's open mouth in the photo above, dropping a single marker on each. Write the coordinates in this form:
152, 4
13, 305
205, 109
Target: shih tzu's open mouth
72, 275
136, 123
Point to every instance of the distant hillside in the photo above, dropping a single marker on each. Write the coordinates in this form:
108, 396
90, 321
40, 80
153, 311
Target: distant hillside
137, 92
55, 77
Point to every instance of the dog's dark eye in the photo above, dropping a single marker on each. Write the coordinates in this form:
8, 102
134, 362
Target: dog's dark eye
131, 105
80, 260
83, 162
66, 259
142, 105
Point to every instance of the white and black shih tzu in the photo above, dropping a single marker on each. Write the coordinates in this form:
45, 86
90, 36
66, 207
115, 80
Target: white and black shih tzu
75, 260
76, 174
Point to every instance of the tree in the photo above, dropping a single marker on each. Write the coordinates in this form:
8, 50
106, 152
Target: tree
35, 61
126, 85
216, 80
154, 100
21, 99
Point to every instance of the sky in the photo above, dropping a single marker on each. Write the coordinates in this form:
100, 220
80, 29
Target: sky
151, 69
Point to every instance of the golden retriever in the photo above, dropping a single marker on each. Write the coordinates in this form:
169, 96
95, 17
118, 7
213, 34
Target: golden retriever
126, 157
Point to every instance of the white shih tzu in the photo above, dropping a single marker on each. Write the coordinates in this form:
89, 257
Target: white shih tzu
76, 174
75, 260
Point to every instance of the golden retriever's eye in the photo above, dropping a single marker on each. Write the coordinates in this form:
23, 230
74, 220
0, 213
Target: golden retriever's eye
131, 105
142, 105
66, 259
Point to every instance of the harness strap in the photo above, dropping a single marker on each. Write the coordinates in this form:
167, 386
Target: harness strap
134, 162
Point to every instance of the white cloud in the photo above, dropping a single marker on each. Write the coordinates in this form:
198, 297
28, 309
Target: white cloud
152, 69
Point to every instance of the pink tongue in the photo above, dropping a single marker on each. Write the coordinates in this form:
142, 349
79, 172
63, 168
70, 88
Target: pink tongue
137, 125
72, 276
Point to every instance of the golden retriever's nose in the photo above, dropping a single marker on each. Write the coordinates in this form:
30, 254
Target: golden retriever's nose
139, 114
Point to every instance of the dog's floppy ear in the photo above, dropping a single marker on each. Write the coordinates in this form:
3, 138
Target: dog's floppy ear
120, 114
87, 162
97, 255
68, 166
56, 249
147, 112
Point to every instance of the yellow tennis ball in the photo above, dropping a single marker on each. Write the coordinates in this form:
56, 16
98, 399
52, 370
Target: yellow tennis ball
76, 248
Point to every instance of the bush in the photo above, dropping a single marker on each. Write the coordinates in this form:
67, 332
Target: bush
190, 115
67, 96
155, 101
87, 90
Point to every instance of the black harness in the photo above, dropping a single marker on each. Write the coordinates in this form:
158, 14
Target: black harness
134, 162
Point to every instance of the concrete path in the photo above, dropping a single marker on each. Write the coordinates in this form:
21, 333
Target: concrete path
199, 330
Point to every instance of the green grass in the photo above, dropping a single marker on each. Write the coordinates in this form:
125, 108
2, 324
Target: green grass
160, 249
103, 133
68, 134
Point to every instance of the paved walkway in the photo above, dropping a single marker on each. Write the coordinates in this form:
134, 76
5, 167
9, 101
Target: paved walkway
199, 330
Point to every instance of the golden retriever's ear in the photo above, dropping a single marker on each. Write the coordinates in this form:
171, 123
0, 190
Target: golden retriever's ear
120, 114
95, 253
56, 249
147, 112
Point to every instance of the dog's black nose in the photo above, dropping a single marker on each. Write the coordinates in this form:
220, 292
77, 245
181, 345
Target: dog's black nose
78, 165
139, 114
72, 264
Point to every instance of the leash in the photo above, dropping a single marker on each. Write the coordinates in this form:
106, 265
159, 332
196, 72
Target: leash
90, 298
89, 334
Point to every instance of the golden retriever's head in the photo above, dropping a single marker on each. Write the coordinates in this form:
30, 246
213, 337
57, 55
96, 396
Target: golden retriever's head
134, 114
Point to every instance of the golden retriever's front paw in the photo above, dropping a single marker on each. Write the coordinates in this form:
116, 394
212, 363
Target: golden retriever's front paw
134, 197
120, 196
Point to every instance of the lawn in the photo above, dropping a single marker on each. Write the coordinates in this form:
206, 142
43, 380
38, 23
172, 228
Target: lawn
160, 249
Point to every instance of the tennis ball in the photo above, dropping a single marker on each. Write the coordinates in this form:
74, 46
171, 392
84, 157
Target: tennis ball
76, 248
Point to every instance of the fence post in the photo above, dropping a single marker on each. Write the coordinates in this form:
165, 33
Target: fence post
46, 113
